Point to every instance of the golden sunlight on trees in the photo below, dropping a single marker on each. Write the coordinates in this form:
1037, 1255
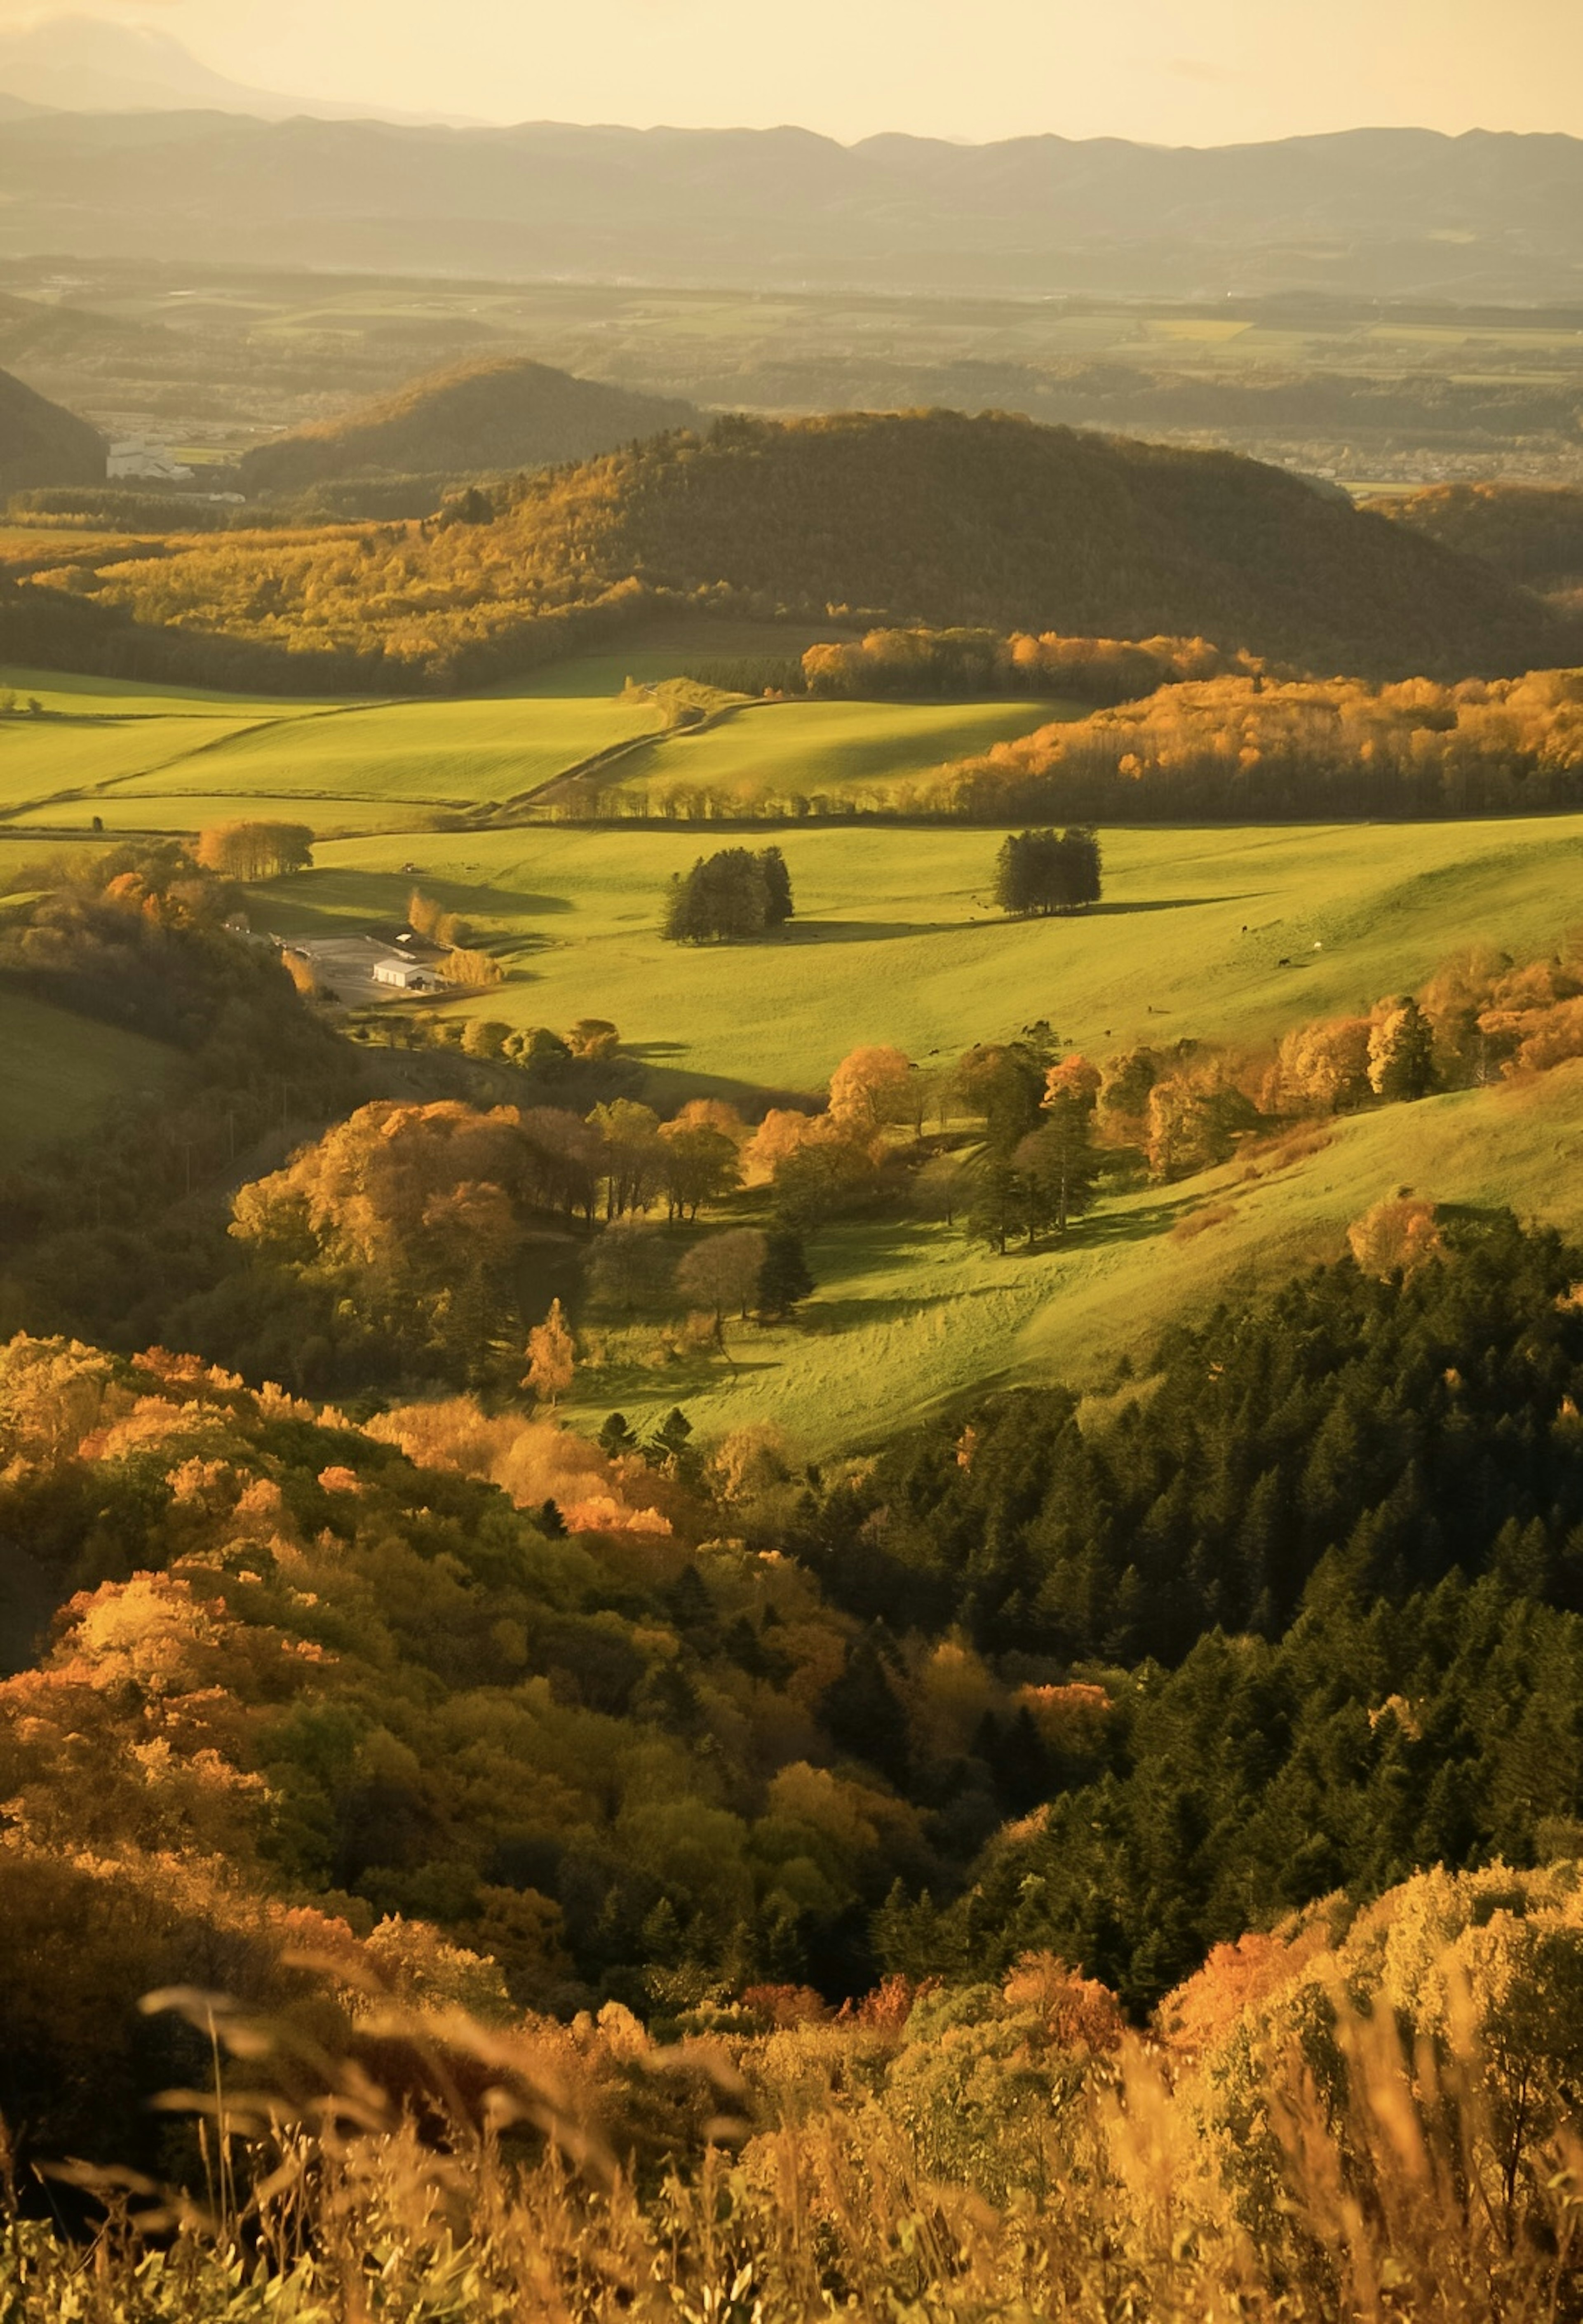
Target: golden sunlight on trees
551, 1358
1397, 1236
255, 851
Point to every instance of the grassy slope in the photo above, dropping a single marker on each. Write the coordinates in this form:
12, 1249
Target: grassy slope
155, 758
803, 748
62, 1071
909, 1319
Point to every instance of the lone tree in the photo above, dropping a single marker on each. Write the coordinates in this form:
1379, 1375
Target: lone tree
551, 1357
1038, 872
255, 851
732, 895
722, 1274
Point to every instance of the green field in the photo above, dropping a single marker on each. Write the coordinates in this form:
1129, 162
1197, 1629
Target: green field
896, 941
1204, 933
61, 1072
157, 760
822, 752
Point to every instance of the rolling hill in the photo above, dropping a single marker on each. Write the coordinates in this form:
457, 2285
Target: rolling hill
42, 444
925, 517
937, 518
495, 415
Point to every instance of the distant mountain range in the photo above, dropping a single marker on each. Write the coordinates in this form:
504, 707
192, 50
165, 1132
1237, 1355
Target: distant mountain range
1384, 213
81, 64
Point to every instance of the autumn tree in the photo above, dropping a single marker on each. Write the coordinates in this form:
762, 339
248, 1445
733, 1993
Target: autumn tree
634, 1155
1397, 1236
592, 1036
551, 1358
470, 967
870, 1087
700, 1165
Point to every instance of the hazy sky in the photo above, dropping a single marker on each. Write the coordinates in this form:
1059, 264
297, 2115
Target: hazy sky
1200, 74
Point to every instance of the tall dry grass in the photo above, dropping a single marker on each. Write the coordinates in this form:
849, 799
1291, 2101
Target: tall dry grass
1323, 2160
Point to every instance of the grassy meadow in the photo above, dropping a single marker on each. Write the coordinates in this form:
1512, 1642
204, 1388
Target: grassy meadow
911, 1318
896, 939
820, 751
1219, 933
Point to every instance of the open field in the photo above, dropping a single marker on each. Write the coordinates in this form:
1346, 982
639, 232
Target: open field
909, 1319
61, 1071
821, 752
896, 941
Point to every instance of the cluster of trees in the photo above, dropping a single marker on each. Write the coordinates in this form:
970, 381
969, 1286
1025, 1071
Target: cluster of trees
907, 663
1038, 872
1257, 749
733, 894
1481, 1017
255, 851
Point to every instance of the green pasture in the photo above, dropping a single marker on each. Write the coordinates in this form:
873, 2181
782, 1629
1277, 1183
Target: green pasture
819, 750
59, 1072
154, 758
1203, 933
446, 754
911, 1319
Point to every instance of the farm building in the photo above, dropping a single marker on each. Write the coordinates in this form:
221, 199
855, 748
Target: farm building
406, 975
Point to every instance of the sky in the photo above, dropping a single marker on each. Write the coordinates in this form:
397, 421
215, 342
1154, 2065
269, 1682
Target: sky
1214, 72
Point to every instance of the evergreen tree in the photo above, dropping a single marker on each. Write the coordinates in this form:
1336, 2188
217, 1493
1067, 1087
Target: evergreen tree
1059, 1163
1401, 1054
861, 1710
1038, 872
784, 1279
617, 1436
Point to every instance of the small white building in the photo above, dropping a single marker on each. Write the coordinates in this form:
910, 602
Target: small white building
406, 975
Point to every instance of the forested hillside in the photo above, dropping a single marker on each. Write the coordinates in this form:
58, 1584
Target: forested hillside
41, 444
479, 418
1531, 533
929, 517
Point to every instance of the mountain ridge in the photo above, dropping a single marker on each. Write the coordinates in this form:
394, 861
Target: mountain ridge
1491, 217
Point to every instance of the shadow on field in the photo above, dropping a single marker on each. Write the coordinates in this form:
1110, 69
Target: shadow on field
668, 1088
329, 897
808, 932
1163, 904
